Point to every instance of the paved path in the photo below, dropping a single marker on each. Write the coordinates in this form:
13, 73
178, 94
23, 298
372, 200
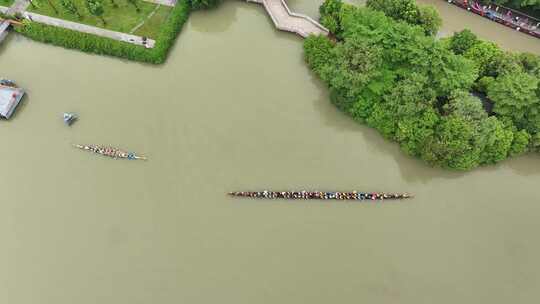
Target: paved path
286, 20
18, 6
89, 29
163, 2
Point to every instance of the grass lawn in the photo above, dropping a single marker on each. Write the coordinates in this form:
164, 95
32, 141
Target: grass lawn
122, 18
151, 27
6, 2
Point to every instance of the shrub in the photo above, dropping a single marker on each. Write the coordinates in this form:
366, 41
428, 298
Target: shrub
426, 17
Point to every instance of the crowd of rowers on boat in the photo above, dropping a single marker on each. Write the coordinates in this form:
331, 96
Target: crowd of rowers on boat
109, 151
503, 15
317, 195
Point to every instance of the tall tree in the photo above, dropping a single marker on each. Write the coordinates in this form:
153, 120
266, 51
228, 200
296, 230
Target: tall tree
514, 95
462, 41
406, 10
70, 6
134, 3
95, 7
330, 11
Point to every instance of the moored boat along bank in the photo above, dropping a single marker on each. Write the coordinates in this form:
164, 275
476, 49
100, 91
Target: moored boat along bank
503, 15
321, 195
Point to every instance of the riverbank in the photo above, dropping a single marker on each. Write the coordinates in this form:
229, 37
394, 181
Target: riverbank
81, 229
118, 15
105, 42
90, 32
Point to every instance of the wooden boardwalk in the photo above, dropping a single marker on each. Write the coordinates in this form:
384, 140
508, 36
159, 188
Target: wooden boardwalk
278, 10
286, 20
17, 7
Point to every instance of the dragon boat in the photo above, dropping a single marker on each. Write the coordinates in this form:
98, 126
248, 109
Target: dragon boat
318, 195
110, 152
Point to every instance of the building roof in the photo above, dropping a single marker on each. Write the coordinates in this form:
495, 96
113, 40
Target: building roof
9, 99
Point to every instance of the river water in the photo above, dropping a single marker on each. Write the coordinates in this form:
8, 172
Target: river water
236, 108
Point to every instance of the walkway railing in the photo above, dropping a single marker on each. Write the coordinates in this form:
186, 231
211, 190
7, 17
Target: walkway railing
286, 20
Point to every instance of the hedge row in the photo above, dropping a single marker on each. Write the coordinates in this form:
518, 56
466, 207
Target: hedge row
105, 46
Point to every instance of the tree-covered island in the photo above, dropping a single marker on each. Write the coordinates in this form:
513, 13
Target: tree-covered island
457, 102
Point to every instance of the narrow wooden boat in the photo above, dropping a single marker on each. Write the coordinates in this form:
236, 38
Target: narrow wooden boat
318, 195
110, 152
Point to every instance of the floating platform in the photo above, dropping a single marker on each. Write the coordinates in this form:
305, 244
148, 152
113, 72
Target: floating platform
10, 97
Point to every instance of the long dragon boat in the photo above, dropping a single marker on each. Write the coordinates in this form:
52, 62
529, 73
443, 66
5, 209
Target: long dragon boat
110, 152
317, 195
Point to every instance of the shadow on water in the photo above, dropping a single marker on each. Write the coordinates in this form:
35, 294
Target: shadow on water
216, 20
526, 165
411, 169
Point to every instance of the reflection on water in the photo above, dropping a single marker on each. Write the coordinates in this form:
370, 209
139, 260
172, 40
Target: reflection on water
221, 19
236, 108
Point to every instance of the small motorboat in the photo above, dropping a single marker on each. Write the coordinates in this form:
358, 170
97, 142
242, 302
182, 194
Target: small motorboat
70, 118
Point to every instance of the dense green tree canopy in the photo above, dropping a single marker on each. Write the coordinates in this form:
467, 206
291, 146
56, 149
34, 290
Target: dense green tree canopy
406, 10
462, 41
428, 95
513, 94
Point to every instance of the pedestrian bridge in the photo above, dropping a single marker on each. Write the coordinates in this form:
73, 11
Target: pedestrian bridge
286, 20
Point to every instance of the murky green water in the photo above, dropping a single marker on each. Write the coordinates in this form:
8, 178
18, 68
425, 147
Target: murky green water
235, 107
